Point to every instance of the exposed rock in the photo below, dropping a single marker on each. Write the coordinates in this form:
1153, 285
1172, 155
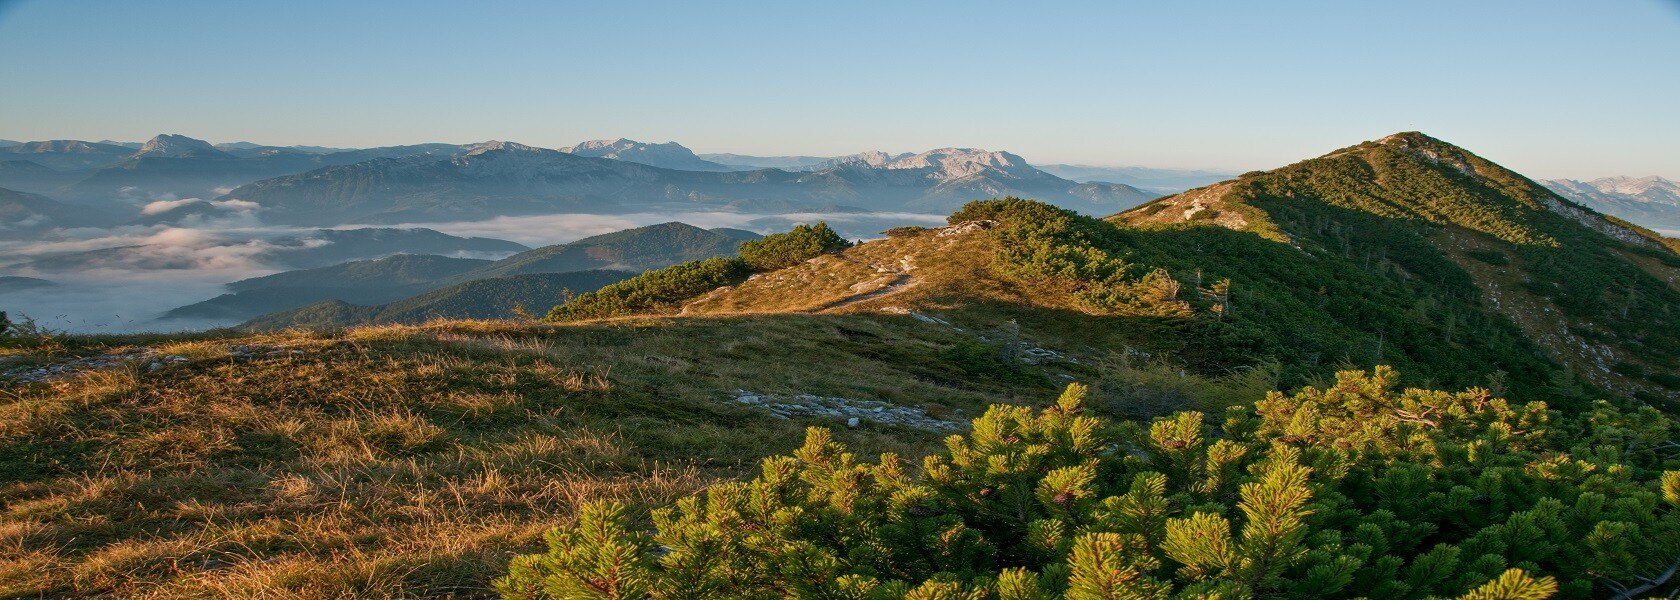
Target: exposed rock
854, 412
71, 367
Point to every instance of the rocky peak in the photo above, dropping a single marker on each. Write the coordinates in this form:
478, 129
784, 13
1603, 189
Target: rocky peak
962, 162
176, 146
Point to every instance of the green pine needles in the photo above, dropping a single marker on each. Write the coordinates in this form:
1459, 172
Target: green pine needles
1358, 490
665, 290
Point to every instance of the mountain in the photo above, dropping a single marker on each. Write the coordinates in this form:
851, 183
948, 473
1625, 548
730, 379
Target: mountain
742, 162
493, 298
13, 283
188, 249
348, 157
33, 177
1649, 201
67, 155
1167, 181
247, 148
872, 158
171, 145
504, 178
174, 166
358, 282
669, 155
635, 250
1405, 251
331, 246
9, 143
21, 211
1461, 241
171, 166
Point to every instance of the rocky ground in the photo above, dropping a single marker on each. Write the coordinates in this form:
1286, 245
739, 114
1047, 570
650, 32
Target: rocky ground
852, 411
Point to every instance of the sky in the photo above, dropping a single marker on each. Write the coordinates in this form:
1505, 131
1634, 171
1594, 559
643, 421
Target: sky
1550, 88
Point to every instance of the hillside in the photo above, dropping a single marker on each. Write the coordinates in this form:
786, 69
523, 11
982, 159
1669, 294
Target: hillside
501, 297
1454, 239
636, 249
412, 461
358, 282
1460, 269
354, 292
20, 211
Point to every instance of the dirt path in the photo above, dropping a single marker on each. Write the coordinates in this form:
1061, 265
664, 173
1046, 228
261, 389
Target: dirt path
899, 283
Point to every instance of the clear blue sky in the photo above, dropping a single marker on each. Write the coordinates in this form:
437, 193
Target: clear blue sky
1552, 88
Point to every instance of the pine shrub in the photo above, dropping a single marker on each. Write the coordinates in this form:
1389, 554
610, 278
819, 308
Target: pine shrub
782, 250
1356, 490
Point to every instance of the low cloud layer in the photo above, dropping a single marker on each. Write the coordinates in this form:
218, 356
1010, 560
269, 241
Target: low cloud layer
543, 230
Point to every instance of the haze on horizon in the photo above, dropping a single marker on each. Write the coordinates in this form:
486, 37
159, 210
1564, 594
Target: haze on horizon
1551, 88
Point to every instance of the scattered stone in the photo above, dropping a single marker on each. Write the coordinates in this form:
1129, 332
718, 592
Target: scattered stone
932, 319
853, 411
965, 227
74, 366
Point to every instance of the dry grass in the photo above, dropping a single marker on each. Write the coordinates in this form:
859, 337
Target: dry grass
943, 272
410, 461
414, 460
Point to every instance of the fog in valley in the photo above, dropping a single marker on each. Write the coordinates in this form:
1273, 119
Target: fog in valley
122, 279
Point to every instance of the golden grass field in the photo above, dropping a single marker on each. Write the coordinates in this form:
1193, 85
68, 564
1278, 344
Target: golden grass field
415, 460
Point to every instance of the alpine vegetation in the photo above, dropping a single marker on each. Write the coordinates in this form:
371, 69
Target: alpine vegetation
1356, 490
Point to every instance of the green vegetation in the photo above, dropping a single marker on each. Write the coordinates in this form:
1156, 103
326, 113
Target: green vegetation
1412, 252
803, 243
657, 291
1236, 298
639, 249
412, 461
664, 290
1042, 241
1357, 490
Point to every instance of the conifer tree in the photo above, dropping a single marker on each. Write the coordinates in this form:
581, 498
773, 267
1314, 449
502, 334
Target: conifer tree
1355, 490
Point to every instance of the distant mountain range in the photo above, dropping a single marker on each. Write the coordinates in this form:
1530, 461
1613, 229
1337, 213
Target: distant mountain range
669, 155
1650, 201
24, 212
505, 178
743, 162
327, 186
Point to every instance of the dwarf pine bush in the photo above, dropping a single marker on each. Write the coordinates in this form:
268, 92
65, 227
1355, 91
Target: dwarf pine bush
665, 290
802, 243
1358, 490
